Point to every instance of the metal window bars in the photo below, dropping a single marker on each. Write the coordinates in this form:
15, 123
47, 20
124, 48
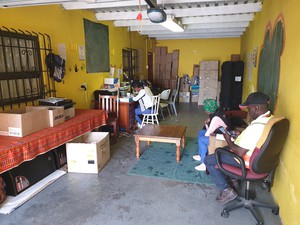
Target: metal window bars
24, 76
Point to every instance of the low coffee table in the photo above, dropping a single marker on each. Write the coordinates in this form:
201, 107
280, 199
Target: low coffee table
161, 133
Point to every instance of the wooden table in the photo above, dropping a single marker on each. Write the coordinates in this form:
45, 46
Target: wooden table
161, 133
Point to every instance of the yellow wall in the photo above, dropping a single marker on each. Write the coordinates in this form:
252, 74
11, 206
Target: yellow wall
286, 190
195, 50
67, 27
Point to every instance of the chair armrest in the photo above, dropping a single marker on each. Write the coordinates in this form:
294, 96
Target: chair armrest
242, 169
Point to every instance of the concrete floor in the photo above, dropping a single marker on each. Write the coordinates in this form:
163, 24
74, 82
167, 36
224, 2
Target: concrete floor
112, 197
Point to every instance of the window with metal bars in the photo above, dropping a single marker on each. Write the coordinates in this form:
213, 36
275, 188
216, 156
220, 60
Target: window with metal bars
130, 62
22, 77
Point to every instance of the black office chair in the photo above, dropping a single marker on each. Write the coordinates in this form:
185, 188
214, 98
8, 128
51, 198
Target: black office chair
262, 166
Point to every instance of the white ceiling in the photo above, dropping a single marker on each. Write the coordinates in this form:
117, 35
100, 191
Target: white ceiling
201, 19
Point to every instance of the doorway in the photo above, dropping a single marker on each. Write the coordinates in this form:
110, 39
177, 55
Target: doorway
150, 67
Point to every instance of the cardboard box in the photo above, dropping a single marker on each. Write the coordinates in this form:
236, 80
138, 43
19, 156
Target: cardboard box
23, 121
216, 141
209, 65
174, 70
184, 96
208, 75
56, 116
157, 51
109, 80
175, 56
69, 113
196, 70
88, 153
235, 57
163, 50
194, 98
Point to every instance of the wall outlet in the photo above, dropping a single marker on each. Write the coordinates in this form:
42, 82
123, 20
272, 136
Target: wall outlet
83, 86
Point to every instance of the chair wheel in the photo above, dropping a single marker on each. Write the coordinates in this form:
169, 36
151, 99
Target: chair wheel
225, 214
275, 211
260, 223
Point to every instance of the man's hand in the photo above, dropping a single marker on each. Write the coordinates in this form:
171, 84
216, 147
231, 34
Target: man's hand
233, 147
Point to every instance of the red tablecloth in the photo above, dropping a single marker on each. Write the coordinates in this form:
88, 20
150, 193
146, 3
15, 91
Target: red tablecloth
15, 150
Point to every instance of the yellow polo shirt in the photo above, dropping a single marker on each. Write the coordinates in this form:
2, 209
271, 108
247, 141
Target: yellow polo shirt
250, 136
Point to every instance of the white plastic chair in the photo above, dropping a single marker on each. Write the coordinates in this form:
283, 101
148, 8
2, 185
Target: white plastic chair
151, 118
164, 97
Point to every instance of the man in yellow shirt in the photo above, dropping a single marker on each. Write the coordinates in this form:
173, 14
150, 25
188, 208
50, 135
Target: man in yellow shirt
257, 105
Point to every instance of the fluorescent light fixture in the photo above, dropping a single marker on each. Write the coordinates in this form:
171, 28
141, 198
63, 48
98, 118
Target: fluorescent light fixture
173, 25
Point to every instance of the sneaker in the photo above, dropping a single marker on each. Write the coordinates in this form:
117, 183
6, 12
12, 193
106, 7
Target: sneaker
197, 157
226, 196
201, 167
219, 196
139, 126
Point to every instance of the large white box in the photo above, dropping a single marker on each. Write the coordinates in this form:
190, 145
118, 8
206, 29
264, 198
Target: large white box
23, 121
109, 80
88, 153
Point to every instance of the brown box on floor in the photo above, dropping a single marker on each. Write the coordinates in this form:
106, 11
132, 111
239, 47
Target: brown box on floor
215, 143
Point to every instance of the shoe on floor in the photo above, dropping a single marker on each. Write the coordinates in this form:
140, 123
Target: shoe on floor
201, 167
219, 196
197, 157
226, 196
139, 126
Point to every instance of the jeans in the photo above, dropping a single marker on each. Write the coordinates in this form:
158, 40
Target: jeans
203, 142
139, 112
219, 179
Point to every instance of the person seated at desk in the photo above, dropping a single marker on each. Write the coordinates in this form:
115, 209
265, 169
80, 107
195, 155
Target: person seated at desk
144, 97
244, 145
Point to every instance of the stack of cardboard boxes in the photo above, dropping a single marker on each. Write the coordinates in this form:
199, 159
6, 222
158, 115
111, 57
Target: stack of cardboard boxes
195, 84
166, 67
208, 76
184, 91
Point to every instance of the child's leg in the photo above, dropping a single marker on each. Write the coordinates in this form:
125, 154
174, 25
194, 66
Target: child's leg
203, 143
201, 134
138, 112
214, 124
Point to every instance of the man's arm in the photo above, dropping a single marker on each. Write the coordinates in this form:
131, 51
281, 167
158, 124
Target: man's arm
233, 147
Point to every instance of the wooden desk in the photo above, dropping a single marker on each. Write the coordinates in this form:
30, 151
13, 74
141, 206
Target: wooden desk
126, 117
15, 150
126, 114
161, 133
